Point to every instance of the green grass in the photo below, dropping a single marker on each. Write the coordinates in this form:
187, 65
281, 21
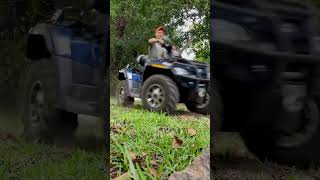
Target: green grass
148, 136
20, 160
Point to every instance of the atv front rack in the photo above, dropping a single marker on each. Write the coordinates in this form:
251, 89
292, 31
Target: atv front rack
194, 65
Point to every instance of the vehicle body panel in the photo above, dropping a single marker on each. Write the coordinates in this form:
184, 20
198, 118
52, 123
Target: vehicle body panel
269, 42
78, 63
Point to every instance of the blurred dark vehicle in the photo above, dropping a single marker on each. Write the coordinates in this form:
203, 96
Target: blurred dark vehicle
266, 77
66, 71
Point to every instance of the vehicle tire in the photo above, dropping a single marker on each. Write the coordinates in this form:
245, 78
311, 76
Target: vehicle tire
199, 108
123, 98
299, 148
160, 93
41, 119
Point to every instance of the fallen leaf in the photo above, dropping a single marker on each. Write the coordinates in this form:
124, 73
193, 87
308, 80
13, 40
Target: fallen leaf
192, 132
124, 176
116, 129
143, 154
192, 145
153, 162
113, 172
177, 143
133, 156
153, 172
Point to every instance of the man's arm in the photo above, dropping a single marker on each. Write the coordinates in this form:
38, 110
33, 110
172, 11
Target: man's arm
155, 40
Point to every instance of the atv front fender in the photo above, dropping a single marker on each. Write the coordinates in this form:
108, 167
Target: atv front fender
121, 75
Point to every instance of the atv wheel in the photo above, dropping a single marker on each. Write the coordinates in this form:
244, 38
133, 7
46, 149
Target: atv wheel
42, 121
160, 93
199, 108
122, 95
285, 143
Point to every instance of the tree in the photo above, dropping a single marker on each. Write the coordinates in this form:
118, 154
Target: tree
133, 22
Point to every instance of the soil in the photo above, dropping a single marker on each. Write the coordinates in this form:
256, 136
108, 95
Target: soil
233, 161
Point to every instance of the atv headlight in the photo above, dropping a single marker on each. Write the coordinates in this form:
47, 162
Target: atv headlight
180, 71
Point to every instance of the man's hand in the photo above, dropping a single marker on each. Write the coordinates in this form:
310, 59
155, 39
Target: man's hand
161, 41
152, 40
155, 40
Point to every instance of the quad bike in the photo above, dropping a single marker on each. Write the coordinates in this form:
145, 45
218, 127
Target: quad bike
65, 74
164, 82
266, 81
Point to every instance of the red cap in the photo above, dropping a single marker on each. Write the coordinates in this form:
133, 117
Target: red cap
161, 28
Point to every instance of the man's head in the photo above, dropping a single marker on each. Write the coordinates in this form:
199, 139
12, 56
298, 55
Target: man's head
159, 33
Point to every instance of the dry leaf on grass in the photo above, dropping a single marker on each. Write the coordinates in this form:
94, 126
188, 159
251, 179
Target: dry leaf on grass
133, 156
192, 132
177, 143
153, 172
153, 162
116, 129
113, 172
192, 145
143, 154
124, 176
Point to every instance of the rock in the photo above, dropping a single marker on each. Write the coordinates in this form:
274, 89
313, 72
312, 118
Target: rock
198, 170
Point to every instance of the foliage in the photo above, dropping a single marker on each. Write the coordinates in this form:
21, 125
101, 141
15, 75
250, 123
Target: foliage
150, 139
20, 160
133, 22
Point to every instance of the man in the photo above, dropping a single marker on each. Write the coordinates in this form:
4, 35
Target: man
159, 34
158, 49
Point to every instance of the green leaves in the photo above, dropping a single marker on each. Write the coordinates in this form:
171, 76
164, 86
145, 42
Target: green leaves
141, 17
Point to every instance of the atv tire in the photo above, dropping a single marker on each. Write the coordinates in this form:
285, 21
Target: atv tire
42, 121
168, 94
198, 108
301, 150
123, 98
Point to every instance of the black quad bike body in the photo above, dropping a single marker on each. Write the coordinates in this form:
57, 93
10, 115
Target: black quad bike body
266, 81
66, 74
162, 83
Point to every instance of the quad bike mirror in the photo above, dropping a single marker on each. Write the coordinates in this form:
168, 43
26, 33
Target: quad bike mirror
142, 59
